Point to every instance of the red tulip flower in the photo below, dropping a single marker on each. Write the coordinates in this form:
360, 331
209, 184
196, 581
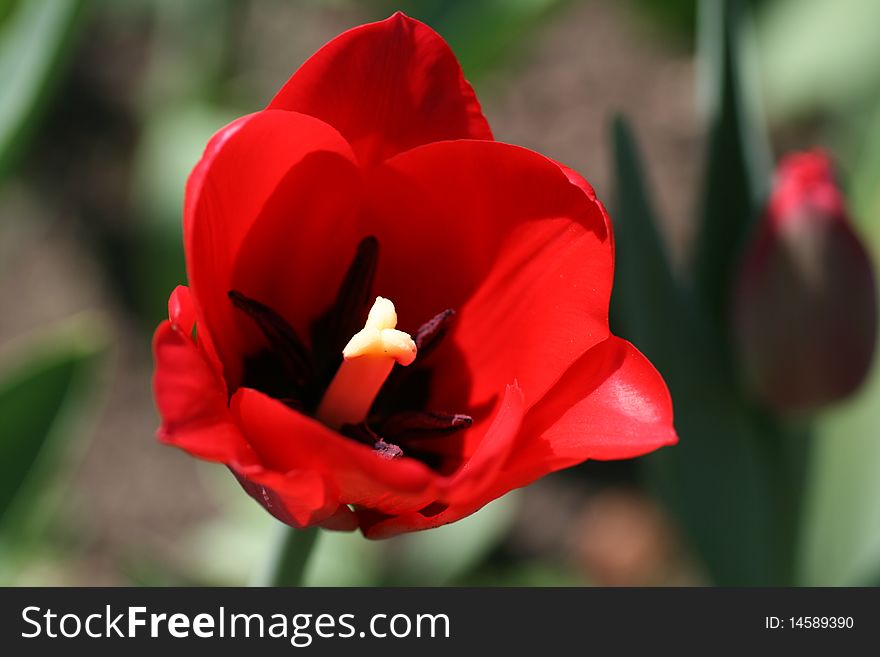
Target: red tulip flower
486, 362
805, 313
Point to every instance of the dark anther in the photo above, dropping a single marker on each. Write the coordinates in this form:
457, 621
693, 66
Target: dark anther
282, 338
362, 433
332, 331
429, 334
411, 425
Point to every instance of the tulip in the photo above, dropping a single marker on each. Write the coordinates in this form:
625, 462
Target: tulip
486, 362
805, 310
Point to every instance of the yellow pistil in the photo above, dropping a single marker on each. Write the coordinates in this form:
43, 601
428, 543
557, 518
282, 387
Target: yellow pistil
368, 359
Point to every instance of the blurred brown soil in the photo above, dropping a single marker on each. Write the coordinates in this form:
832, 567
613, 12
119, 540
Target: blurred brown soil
132, 496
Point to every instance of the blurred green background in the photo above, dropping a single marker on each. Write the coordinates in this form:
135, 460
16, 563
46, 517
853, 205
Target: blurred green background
105, 107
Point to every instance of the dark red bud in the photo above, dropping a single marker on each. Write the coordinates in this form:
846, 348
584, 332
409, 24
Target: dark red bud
805, 315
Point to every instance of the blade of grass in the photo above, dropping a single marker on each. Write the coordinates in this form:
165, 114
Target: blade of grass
34, 38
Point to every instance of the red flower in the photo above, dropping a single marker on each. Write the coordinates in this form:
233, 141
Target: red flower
805, 306
373, 169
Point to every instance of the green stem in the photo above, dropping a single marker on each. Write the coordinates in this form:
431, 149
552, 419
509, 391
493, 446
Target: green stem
787, 451
798, 451
289, 557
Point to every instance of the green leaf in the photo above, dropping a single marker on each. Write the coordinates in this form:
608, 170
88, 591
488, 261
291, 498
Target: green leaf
725, 481
737, 168
42, 394
34, 38
646, 293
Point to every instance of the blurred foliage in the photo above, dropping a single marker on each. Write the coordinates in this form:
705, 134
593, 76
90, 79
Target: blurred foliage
47, 384
841, 539
183, 106
755, 494
677, 16
737, 169
865, 180
720, 481
820, 56
190, 53
735, 480
821, 68
35, 38
526, 573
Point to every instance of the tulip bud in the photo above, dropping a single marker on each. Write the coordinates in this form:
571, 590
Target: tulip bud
805, 313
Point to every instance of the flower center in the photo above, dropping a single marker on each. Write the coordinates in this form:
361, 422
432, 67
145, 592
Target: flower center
367, 360
344, 375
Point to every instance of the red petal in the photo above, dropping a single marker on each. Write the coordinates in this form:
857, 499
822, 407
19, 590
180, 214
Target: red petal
474, 485
503, 236
278, 169
287, 440
297, 498
611, 404
578, 180
387, 87
343, 520
479, 472
192, 401
181, 310
195, 417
